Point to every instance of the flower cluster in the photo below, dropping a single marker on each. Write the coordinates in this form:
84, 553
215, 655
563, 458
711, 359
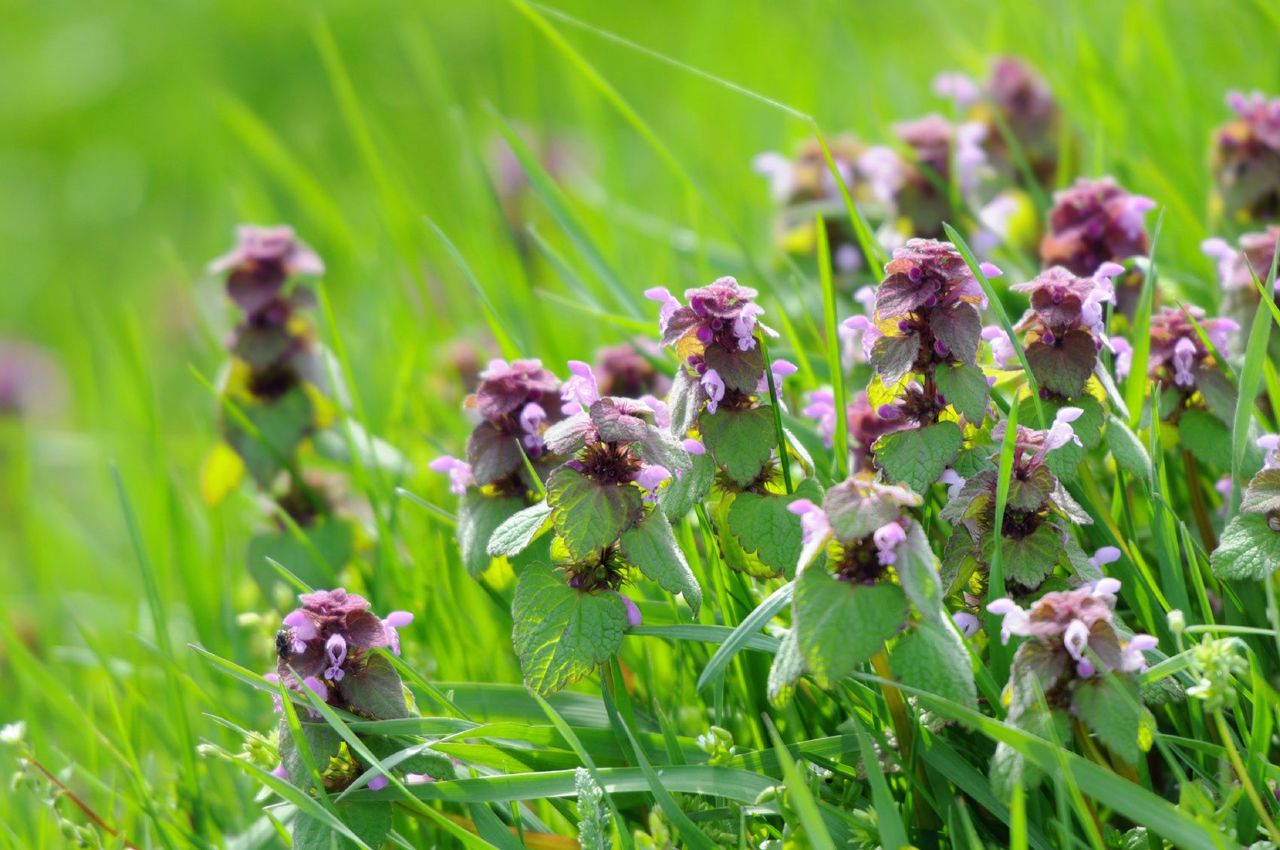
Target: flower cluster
1239, 268
942, 153
926, 315
516, 403
1065, 327
864, 422
1179, 357
1037, 515
1095, 222
1246, 158
325, 646
861, 523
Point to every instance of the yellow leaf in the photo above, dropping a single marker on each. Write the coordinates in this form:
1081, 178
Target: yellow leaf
220, 473
325, 411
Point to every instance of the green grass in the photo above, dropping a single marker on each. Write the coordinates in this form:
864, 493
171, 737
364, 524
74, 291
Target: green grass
132, 139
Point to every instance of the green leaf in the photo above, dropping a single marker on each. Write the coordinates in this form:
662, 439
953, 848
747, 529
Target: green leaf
682, 402
1262, 496
1206, 437
788, 667
933, 658
1029, 560
840, 625
855, 508
589, 515
682, 493
965, 388
917, 568
741, 441
1127, 449
893, 356
478, 517
562, 635
740, 370
959, 327
1064, 367
281, 425
1249, 549
370, 821
651, 547
1109, 705
1010, 768
492, 453
374, 690
515, 534
918, 456
763, 525
321, 740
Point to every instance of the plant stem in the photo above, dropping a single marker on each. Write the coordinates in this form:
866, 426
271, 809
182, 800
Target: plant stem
924, 817
1230, 744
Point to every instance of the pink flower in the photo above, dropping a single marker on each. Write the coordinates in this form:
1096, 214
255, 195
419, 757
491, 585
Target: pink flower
887, 539
581, 390
714, 388
460, 477
634, 617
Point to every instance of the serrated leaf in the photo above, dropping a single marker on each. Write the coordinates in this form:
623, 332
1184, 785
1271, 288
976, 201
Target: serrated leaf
478, 517
740, 370
1009, 768
562, 635
1206, 437
651, 547
1029, 560
1127, 449
839, 625
615, 424
1108, 704
918, 456
683, 402
763, 525
321, 739
741, 441
589, 515
370, 821
893, 356
855, 508
1064, 367
932, 658
1262, 496
568, 435
515, 534
1249, 549
1035, 672
965, 388
374, 690
959, 327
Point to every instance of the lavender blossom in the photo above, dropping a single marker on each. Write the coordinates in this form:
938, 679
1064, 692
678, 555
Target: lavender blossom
459, 472
1178, 356
517, 402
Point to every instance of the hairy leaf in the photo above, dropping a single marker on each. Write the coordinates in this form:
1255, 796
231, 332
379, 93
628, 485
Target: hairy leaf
370, 821
1249, 549
651, 547
1109, 706
959, 326
893, 356
741, 441
515, 534
1064, 367
478, 517
839, 625
918, 456
965, 388
561, 635
933, 658
373, 690
740, 370
1262, 496
589, 515
1206, 437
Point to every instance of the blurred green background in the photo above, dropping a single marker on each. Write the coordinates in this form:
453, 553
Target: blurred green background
134, 135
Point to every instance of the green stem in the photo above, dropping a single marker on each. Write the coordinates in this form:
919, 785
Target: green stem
1245, 782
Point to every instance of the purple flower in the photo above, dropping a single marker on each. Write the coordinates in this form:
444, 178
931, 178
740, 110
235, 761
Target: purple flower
887, 539
960, 88
661, 413
925, 275
459, 471
581, 390
377, 783
393, 621
1094, 222
650, 478
1246, 158
1105, 555
1177, 352
813, 522
967, 623
328, 637
884, 172
822, 409
505, 388
953, 481
1002, 350
693, 446
1124, 355
714, 389
634, 617
275, 249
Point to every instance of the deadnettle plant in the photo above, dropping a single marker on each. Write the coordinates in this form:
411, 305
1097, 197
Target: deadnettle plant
1246, 159
864, 422
1076, 662
1065, 327
943, 154
515, 403
927, 332
1183, 365
867, 576
607, 506
1035, 532
1095, 222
